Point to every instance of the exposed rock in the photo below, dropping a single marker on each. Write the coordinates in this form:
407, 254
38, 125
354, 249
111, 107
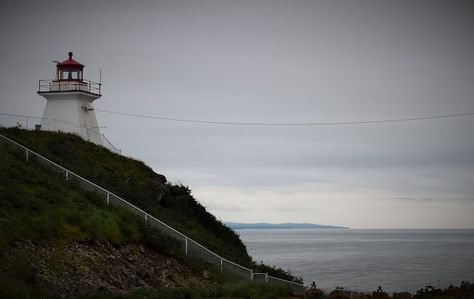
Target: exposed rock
159, 178
86, 267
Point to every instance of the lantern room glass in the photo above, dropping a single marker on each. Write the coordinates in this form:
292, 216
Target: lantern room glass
70, 75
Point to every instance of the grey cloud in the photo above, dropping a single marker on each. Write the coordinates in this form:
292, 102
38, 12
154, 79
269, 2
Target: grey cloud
267, 61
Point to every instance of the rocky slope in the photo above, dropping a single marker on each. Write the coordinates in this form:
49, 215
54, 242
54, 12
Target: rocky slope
87, 267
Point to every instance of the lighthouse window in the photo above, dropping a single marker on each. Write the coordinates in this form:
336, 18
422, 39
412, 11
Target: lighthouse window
70, 75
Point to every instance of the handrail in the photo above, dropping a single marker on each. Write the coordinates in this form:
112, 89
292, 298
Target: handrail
69, 85
284, 280
147, 215
235, 264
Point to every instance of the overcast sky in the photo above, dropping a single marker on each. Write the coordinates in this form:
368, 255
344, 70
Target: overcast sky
273, 61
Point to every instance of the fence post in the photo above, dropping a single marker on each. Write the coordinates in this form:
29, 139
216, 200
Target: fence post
222, 268
186, 245
251, 274
108, 198
146, 217
67, 174
26, 156
266, 277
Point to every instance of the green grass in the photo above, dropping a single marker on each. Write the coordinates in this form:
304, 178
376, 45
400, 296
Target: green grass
126, 177
38, 205
138, 184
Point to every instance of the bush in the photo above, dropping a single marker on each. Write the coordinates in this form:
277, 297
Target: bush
18, 282
162, 293
246, 289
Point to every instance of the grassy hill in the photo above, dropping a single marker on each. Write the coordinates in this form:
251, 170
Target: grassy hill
140, 185
40, 208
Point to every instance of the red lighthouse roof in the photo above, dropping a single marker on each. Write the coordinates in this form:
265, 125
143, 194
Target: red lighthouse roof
70, 63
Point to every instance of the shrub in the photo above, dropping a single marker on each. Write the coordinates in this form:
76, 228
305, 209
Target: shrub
246, 289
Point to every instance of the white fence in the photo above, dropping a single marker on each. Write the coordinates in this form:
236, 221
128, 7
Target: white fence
189, 246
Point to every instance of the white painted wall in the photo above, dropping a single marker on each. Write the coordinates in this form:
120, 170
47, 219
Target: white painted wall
71, 112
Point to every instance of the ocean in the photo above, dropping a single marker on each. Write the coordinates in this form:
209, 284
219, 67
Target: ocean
362, 260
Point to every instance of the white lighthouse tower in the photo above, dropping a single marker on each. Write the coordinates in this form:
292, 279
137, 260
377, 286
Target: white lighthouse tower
69, 102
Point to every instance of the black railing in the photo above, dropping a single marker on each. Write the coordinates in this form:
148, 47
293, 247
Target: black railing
69, 85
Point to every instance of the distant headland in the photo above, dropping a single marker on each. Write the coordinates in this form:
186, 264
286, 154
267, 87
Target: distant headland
238, 225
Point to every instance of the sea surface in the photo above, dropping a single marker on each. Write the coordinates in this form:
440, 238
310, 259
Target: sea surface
361, 260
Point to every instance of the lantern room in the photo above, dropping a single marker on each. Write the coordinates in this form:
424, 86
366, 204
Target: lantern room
69, 77
69, 70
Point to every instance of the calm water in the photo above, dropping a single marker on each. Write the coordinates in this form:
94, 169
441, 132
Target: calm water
398, 260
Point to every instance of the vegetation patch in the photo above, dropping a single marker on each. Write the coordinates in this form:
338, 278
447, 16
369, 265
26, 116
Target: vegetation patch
140, 185
44, 219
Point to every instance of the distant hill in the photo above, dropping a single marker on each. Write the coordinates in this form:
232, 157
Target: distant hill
237, 225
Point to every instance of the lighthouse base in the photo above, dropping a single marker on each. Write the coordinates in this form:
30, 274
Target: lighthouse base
71, 112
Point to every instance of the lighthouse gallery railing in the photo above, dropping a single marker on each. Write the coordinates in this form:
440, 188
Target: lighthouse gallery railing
69, 85
189, 246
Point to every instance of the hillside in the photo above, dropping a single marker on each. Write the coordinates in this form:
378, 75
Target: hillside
138, 184
55, 236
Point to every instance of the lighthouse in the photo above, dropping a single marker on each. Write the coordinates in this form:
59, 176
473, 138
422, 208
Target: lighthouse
69, 100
